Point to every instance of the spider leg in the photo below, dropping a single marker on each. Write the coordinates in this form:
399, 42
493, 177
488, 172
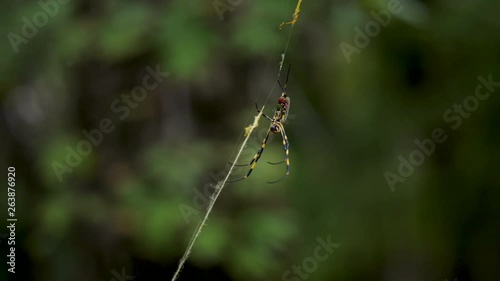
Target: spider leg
253, 163
278, 180
283, 89
270, 119
285, 146
287, 74
238, 165
258, 110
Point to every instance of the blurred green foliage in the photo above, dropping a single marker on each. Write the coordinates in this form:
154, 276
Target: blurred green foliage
121, 206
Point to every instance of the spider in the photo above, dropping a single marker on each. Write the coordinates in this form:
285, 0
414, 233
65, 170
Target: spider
276, 127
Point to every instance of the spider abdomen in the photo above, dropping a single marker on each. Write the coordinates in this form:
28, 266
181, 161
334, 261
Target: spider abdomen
275, 128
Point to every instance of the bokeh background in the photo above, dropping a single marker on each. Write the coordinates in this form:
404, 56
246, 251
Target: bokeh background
131, 205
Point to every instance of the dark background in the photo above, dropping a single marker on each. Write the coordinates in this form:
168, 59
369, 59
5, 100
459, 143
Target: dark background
121, 206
